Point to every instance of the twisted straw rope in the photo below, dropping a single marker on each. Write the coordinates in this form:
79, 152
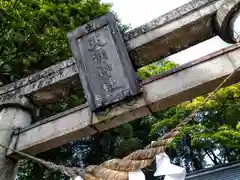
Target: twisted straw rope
115, 168
118, 169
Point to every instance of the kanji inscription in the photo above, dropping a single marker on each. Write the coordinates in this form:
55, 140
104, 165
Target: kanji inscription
100, 59
104, 67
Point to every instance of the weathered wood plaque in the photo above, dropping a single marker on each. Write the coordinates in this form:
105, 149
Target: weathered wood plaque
105, 69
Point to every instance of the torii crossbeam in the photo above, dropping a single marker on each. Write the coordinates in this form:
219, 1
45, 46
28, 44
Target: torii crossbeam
159, 38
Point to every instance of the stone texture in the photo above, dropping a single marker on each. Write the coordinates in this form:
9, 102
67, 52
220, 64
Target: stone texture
157, 39
196, 78
53, 80
54, 131
224, 17
39, 79
167, 35
104, 66
15, 100
10, 120
173, 15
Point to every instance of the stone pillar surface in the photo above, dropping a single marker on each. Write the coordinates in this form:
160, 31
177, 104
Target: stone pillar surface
225, 18
11, 118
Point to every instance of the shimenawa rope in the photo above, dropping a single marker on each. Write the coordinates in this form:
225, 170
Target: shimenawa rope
118, 169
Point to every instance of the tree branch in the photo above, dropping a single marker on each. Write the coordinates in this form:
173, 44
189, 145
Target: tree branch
215, 157
210, 157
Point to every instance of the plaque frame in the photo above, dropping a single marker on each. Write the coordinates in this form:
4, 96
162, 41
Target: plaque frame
128, 78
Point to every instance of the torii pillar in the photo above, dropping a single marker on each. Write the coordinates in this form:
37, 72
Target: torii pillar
113, 71
13, 116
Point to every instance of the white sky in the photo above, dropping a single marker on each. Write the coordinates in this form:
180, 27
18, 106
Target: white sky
138, 12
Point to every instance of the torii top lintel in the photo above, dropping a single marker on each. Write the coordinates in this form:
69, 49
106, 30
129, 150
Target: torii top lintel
157, 39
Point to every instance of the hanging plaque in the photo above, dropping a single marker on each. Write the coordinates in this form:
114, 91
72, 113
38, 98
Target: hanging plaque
104, 66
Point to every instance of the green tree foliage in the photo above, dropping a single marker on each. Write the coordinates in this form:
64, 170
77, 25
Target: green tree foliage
118, 142
33, 32
33, 37
213, 132
155, 69
72, 154
211, 138
213, 135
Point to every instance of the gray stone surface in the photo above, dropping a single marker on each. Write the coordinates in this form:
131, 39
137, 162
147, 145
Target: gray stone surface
160, 38
167, 35
14, 100
40, 79
197, 78
224, 20
173, 15
52, 81
157, 39
10, 119
104, 66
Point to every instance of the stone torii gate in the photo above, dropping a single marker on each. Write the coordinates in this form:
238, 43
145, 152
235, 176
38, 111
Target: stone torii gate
101, 58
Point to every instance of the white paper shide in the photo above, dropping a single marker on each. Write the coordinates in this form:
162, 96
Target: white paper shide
77, 178
163, 168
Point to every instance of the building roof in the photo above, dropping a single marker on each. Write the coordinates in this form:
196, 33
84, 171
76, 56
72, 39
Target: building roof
230, 171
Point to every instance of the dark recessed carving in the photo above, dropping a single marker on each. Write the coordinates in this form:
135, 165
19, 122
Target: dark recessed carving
103, 63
